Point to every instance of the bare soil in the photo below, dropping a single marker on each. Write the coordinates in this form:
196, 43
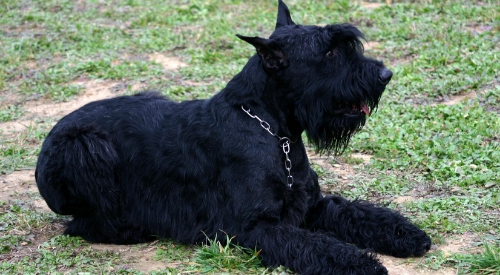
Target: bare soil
16, 184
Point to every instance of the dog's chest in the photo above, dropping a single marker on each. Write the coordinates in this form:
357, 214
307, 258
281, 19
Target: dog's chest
294, 207
296, 198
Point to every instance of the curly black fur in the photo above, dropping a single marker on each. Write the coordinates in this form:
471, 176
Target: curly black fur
133, 168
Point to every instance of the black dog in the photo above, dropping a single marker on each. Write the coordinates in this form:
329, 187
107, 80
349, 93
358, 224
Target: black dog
133, 168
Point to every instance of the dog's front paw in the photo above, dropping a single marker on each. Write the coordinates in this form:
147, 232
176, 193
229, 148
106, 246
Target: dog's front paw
409, 240
366, 264
372, 266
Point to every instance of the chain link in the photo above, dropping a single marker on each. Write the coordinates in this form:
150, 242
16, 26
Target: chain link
263, 123
283, 141
288, 162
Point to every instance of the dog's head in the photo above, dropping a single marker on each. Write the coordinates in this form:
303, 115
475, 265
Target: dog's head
323, 71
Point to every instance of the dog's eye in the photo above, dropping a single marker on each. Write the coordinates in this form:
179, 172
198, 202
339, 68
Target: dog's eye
330, 53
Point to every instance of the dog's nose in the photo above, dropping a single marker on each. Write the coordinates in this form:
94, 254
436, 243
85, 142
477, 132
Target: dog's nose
385, 76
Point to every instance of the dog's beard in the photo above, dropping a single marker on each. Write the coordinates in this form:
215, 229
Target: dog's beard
329, 127
330, 120
332, 134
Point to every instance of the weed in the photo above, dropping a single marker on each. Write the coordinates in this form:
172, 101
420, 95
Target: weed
485, 263
20, 152
19, 222
226, 257
11, 112
353, 160
171, 252
61, 254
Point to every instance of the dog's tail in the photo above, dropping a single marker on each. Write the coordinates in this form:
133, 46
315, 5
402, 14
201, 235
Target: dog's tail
75, 171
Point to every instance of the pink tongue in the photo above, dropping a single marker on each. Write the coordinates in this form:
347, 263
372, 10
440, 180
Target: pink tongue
365, 109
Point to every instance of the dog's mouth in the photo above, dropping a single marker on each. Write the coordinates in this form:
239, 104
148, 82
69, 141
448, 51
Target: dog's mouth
350, 109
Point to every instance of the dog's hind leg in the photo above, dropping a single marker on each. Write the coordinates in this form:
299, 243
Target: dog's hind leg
98, 229
75, 171
75, 175
368, 226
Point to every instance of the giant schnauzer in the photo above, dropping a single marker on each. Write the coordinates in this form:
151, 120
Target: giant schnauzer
133, 168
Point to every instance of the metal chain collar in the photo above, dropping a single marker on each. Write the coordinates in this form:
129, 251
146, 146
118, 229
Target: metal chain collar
283, 141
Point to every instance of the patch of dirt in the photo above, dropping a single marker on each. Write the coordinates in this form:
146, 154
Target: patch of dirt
479, 94
12, 127
194, 83
19, 183
93, 91
45, 108
370, 45
33, 239
340, 170
453, 100
404, 199
478, 29
397, 266
140, 258
370, 5
32, 64
365, 157
454, 244
168, 62
463, 243
10, 98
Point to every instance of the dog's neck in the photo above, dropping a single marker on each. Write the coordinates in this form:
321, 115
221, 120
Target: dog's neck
266, 96
284, 143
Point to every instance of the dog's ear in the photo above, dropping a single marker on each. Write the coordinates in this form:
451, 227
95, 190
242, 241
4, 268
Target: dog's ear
284, 18
271, 54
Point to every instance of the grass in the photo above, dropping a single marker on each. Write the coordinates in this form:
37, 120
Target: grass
11, 112
20, 151
227, 257
62, 254
484, 263
443, 154
487, 262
